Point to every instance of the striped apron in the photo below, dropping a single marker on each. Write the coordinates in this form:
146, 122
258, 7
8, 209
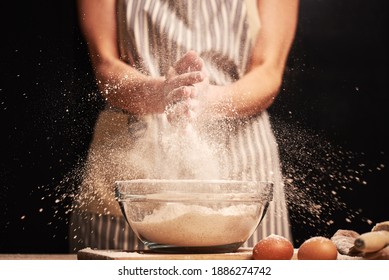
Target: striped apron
153, 34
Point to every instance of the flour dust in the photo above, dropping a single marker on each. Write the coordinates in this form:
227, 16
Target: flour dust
319, 175
175, 153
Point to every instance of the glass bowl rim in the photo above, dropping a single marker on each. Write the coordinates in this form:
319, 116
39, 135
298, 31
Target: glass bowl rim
261, 195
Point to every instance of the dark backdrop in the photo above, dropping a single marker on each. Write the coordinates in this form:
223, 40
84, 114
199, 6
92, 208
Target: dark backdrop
329, 120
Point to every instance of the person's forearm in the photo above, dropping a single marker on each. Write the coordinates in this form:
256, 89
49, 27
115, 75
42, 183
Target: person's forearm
121, 85
258, 88
126, 88
248, 96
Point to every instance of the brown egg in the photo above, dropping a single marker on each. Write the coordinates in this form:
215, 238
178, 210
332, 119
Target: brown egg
317, 248
273, 247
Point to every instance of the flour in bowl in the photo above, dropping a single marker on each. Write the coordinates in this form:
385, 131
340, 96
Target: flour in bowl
194, 225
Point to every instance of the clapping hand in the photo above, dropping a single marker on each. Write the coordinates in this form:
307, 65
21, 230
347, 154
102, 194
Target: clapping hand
181, 89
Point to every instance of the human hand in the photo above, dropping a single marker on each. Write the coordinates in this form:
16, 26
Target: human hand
181, 88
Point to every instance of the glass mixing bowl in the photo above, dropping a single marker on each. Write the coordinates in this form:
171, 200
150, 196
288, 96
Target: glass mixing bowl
193, 216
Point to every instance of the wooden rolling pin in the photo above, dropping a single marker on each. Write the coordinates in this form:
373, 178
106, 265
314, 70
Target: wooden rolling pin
372, 241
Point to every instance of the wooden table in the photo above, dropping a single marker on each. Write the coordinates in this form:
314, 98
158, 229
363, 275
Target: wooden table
38, 256
90, 254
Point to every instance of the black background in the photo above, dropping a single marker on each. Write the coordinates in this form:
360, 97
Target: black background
329, 119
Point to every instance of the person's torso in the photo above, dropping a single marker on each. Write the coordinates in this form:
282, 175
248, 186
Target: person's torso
153, 34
